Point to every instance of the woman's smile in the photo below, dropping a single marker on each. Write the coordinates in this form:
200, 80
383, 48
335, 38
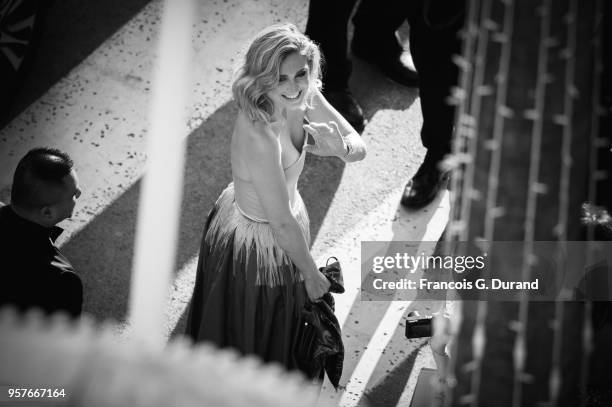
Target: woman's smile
293, 97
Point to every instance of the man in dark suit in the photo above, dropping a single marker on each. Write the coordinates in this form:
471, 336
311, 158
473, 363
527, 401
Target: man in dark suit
33, 272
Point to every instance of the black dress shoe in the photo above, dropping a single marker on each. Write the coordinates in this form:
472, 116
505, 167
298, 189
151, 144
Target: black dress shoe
424, 186
390, 65
344, 102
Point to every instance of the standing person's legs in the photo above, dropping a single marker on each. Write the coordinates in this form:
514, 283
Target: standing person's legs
376, 22
374, 39
328, 26
433, 41
438, 115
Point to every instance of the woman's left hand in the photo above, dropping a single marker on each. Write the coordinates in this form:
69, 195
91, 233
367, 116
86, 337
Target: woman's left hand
328, 139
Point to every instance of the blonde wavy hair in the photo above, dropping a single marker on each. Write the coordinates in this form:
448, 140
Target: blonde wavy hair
261, 69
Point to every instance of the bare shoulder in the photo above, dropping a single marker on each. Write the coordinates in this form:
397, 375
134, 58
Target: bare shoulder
253, 137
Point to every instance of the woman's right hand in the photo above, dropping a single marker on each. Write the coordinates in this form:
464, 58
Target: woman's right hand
316, 285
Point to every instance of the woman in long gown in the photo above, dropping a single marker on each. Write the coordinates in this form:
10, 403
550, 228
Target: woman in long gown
255, 271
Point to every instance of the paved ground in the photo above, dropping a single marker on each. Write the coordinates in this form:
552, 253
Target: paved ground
88, 91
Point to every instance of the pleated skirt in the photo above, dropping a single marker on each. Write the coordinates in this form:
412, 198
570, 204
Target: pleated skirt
248, 294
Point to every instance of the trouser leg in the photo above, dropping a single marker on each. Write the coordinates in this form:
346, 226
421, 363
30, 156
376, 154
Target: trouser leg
432, 45
376, 22
327, 26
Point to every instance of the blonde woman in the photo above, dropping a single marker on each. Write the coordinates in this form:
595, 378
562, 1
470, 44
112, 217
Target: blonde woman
255, 271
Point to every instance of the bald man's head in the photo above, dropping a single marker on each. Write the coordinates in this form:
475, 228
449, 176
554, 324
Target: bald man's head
45, 186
